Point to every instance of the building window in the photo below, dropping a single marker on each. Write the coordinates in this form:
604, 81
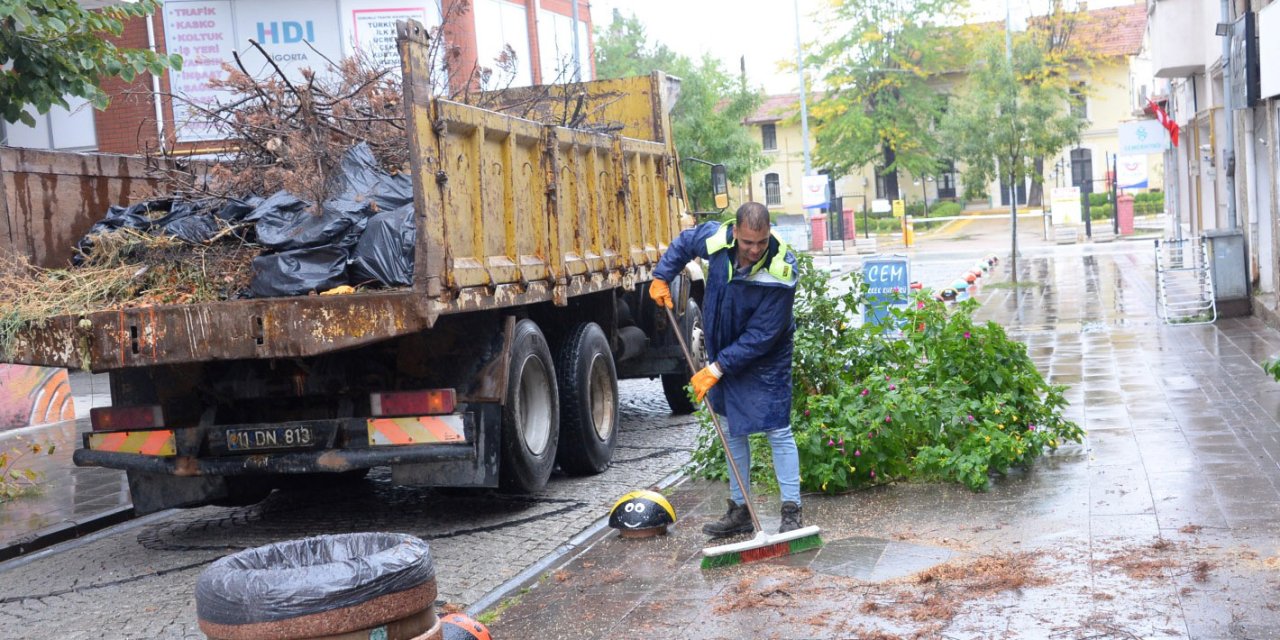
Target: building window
1079, 103
1082, 169
769, 137
772, 190
947, 180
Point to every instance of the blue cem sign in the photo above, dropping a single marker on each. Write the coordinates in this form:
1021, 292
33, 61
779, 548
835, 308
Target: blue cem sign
888, 281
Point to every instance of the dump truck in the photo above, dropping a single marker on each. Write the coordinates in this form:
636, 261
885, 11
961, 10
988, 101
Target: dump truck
535, 244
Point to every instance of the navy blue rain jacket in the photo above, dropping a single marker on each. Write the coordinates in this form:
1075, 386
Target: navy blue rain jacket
748, 323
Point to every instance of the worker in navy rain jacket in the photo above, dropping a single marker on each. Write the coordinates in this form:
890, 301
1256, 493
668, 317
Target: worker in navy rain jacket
747, 315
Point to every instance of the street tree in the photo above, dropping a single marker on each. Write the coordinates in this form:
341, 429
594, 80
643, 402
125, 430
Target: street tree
51, 49
707, 117
1009, 114
879, 61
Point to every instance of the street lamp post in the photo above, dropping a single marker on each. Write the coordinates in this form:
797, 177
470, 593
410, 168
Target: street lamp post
1013, 187
804, 111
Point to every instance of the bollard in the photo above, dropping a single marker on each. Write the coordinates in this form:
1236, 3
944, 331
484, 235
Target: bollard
817, 231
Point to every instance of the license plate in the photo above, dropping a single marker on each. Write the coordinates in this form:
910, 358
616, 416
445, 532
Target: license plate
270, 438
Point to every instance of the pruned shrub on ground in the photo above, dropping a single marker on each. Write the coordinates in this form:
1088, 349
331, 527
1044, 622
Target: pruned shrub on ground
931, 395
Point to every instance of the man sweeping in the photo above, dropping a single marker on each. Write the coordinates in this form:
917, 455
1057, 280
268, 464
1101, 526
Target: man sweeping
747, 315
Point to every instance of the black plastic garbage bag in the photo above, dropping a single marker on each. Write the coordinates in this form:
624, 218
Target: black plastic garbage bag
136, 216
363, 180
385, 251
302, 577
284, 222
190, 221
204, 219
299, 272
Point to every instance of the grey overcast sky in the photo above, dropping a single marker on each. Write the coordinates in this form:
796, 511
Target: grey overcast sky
762, 31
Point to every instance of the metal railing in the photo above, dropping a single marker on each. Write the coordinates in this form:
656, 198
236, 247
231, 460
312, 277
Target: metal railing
1184, 282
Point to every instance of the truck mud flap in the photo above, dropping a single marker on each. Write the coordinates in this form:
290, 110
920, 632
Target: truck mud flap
480, 471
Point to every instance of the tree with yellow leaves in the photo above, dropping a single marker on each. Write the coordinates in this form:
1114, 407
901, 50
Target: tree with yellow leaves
879, 61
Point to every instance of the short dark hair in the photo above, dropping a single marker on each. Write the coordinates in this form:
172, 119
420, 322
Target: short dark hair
753, 215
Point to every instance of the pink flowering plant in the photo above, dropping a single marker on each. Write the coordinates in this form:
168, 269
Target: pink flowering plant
930, 395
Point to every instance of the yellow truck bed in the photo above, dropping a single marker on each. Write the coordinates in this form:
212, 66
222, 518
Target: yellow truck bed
510, 211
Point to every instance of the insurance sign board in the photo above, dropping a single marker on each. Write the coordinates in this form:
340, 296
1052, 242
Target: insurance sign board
1142, 137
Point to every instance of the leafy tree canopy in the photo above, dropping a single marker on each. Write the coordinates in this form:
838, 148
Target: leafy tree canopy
707, 117
877, 60
1009, 113
50, 49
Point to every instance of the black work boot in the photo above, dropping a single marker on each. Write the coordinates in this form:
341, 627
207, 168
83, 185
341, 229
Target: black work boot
791, 519
736, 520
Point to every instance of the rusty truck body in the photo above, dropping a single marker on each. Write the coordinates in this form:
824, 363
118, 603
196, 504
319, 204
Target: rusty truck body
534, 243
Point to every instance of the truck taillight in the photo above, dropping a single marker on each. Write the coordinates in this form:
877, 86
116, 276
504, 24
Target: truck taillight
413, 403
122, 418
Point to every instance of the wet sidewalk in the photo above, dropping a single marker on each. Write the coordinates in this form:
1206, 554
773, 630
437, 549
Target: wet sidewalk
68, 501
1163, 524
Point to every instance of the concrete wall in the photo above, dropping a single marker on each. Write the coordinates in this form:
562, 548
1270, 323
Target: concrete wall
1177, 46
49, 199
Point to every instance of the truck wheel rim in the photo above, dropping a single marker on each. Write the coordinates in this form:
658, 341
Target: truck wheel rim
535, 405
696, 346
601, 398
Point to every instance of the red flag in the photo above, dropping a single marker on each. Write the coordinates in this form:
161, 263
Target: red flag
1165, 121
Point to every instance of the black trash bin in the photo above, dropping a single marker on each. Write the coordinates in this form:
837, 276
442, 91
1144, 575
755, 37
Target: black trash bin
322, 587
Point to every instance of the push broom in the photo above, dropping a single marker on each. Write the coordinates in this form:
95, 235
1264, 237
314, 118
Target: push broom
762, 546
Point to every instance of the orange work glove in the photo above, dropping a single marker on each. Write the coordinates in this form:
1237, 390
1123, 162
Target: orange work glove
661, 293
705, 379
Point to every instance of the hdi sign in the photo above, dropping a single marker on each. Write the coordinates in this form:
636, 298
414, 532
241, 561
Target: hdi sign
286, 32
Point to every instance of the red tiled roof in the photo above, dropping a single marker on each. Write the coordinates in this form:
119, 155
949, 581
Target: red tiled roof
779, 107
1114, 31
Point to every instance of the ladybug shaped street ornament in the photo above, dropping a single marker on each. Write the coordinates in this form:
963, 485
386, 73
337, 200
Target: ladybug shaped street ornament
460, 626
641, 514
949, 295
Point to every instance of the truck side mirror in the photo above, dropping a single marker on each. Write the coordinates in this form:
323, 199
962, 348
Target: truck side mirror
720, 185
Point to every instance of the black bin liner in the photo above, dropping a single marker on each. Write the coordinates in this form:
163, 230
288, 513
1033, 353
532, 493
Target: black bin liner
363, 180
299, 272
284, 222
385, 251
303, 577
134, 216
198, 222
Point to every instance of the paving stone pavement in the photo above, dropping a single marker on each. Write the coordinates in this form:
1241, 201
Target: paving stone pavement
137, 581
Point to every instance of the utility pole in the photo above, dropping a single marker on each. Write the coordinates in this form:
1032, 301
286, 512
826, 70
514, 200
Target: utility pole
742, 74
804, 110
1013, 187
577, 59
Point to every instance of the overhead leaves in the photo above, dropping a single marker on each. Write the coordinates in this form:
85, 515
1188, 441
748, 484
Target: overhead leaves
706, 119
1014, 108
52, 49
880, 61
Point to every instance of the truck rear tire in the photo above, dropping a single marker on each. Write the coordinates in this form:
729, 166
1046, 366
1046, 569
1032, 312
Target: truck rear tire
588, 382
673, 384
531, 414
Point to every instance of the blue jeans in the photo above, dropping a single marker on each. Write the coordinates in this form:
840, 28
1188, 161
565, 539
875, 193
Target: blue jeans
786, 462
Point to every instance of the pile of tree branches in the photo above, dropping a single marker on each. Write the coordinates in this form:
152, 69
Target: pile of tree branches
288, 133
